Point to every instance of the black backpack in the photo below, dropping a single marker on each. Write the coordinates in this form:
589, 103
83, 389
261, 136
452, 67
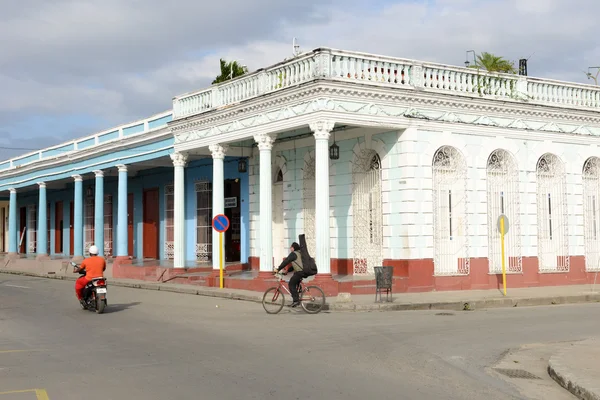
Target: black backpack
308, 263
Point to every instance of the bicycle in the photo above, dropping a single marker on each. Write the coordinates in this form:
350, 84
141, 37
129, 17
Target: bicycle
309, 295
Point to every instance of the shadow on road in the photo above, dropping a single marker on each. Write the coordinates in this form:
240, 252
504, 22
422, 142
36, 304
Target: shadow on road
112, 308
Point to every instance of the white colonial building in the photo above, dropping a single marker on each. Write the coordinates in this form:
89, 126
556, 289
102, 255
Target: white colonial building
387, 161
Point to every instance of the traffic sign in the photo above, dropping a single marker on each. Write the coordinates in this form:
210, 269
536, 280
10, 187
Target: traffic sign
220, 223
503, 228
502, 216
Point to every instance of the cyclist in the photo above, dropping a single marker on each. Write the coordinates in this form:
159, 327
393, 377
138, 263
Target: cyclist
294, 258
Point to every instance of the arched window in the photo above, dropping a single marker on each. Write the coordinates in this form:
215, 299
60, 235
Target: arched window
451, 241
591, 213
367, 213
503, 194
553, 248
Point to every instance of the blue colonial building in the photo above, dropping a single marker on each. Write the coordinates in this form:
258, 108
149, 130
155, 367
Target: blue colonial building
115, 189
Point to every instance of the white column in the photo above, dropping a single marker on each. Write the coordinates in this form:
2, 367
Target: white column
99, 212
179, 161
322, 130
42, 224
122, 239
265, 145
218, 192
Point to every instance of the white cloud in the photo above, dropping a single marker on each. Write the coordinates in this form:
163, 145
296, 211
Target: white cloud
123, 60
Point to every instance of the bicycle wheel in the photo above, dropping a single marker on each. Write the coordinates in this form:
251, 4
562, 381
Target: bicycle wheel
313, 299
273, 300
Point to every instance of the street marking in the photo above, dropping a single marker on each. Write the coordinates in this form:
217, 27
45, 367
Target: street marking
17, 286
19, 351
40, 394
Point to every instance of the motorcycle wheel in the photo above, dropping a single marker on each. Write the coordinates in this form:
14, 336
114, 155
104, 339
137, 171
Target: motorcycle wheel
100, 304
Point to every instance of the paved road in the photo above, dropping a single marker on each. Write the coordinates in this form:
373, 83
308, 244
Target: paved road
159, 345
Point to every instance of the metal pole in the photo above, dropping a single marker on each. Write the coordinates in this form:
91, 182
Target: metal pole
502, 247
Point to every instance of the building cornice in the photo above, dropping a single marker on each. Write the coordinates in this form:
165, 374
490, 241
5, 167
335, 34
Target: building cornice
89, 153
381, 107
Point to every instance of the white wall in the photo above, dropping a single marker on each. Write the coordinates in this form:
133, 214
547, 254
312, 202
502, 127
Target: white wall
407, 186
417, 147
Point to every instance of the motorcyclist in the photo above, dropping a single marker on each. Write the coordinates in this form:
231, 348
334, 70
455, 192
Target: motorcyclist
294, 258
94, 267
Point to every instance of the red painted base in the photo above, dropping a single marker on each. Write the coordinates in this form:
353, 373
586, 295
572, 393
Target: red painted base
409, 276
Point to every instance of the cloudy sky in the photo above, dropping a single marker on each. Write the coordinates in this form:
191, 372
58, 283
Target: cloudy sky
69, 68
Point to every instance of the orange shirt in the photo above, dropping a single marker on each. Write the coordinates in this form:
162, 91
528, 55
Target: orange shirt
94, 267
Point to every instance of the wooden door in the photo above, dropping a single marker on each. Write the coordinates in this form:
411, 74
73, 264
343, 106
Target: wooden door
151, 215
130, 224
58, 227
3, 231
23, 225
71, 228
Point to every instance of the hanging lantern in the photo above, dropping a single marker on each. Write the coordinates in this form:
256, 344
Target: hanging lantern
242, 165
334, 150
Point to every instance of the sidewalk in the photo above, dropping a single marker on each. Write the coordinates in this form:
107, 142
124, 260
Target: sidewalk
449, 300
576, 369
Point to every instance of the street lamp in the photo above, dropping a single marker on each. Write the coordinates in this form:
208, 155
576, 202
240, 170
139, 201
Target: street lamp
590, 76
467, 58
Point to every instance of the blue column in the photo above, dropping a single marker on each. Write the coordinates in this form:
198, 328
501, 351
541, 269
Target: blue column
42, 225
78, 218
99, 213
122, 213
12, 223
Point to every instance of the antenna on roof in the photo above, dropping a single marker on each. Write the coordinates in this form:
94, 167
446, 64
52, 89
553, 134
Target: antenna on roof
295, 48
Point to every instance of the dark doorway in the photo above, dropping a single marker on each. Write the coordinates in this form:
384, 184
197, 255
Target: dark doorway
151, 216
130, 224
58, 227
233, 237
23, 226
72, 228
3, 231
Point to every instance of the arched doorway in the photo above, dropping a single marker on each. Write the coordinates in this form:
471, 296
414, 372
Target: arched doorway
591, 213
279, 246
553, 247
502, 176
367, 231
308, 204
450, 239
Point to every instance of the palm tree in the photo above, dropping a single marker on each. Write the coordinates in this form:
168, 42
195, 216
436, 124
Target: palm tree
230, 70
493, 63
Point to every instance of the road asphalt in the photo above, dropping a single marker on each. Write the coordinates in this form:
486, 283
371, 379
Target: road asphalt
158, 345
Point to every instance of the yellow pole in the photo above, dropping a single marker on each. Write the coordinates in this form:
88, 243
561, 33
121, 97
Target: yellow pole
502, 246
221, 259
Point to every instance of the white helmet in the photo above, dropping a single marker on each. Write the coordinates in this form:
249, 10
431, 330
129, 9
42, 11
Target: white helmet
94, 250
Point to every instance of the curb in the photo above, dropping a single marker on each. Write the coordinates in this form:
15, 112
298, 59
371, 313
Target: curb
577, 386
463, 305
147, 286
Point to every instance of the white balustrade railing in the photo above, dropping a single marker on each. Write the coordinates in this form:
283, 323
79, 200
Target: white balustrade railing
386, 71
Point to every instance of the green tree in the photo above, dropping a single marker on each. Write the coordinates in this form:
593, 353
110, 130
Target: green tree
493, 63
228, 69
